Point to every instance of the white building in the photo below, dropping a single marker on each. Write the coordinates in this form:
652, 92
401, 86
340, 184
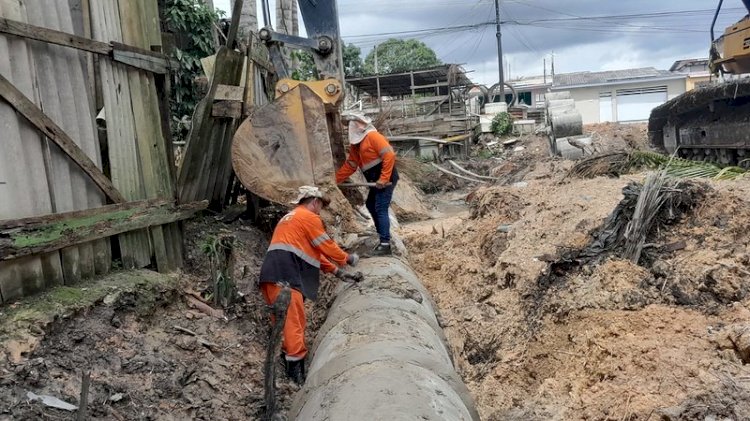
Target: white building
620, 95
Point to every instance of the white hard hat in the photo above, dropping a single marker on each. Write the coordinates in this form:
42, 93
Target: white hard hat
306, 192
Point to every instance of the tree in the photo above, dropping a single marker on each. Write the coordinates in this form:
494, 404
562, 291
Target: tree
353, 66
303, 65
400, 55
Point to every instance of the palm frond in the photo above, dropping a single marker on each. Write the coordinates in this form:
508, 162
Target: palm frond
618, 163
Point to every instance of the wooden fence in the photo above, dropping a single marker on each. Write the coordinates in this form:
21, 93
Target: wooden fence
73, 200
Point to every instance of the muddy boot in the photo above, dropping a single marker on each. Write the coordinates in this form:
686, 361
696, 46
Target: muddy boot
295, 370
383, 249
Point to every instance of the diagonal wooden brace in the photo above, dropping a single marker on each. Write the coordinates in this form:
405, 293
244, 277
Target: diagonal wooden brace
41, 121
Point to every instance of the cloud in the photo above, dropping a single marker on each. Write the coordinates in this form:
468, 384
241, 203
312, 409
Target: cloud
529, 36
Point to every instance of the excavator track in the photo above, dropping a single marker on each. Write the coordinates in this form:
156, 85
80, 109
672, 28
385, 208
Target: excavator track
709, 124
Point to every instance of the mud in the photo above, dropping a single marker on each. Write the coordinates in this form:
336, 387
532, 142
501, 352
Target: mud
612, 340
142, 366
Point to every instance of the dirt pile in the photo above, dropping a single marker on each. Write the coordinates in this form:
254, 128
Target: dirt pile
609, 340
608, 137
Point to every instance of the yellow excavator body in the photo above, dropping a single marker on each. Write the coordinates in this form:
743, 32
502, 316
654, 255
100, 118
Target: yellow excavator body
733, 49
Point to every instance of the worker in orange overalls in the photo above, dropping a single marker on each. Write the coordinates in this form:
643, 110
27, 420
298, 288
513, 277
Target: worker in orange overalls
371, 152
300, 248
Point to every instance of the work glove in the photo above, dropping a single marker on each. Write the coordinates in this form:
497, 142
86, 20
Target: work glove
353, 259
380, 185
349, 276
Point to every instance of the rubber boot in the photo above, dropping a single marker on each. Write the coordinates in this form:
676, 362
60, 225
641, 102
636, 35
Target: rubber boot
382, 250
295, 370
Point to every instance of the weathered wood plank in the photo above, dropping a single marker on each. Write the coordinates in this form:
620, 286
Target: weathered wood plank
135, 247
143, 62
51, 36
229, 93
234, 26
60, 230
227, 109
22, 154
204, 159
36, 117
127, 54
54, 218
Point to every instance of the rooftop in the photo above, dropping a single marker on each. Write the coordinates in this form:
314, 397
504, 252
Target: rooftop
679, 64
396, 84
531, 81
611, 76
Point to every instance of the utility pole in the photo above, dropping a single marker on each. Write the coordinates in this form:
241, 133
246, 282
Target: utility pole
377, 79
501, 80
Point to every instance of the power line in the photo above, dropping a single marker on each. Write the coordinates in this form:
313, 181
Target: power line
554, 23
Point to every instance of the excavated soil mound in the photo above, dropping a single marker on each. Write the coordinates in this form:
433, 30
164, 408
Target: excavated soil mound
611, 340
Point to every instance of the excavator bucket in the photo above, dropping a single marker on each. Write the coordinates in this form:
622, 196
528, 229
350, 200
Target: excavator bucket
286, 144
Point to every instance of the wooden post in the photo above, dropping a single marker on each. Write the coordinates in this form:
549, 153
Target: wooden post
83, 402
235, 25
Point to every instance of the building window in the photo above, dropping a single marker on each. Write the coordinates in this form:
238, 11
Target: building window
540, 98
523, 98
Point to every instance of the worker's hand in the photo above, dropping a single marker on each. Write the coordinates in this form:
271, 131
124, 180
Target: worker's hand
380, 185
353, 259
354, 277
349, 276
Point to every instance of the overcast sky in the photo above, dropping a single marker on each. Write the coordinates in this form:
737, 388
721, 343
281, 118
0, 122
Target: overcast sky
620, 37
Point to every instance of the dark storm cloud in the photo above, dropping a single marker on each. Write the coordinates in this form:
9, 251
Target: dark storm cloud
578, 46
589, 45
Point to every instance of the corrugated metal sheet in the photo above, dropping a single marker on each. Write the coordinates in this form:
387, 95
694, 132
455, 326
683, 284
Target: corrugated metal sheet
396, 84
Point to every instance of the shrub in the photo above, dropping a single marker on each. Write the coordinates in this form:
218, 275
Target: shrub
502, 124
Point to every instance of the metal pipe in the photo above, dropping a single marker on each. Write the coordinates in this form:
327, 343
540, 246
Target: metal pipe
467, 172
381, 353
438, 167
266, 14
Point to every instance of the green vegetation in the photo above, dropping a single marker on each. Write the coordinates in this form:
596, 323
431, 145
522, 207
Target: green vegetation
502, 124
193, 23
44, 308
400, 55
684, 168
56, 231
618, 163
219, 250
353, 65
306, 70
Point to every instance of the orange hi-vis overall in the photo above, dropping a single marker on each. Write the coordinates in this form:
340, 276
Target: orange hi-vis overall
374, 150
300, 248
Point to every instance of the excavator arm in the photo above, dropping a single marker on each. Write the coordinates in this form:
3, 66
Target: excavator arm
292, 141
730, 53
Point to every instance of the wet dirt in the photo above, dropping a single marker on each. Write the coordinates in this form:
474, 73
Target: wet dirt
151, 355
666, 339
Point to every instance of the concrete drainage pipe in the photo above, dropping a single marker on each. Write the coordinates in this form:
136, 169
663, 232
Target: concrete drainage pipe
381, 355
